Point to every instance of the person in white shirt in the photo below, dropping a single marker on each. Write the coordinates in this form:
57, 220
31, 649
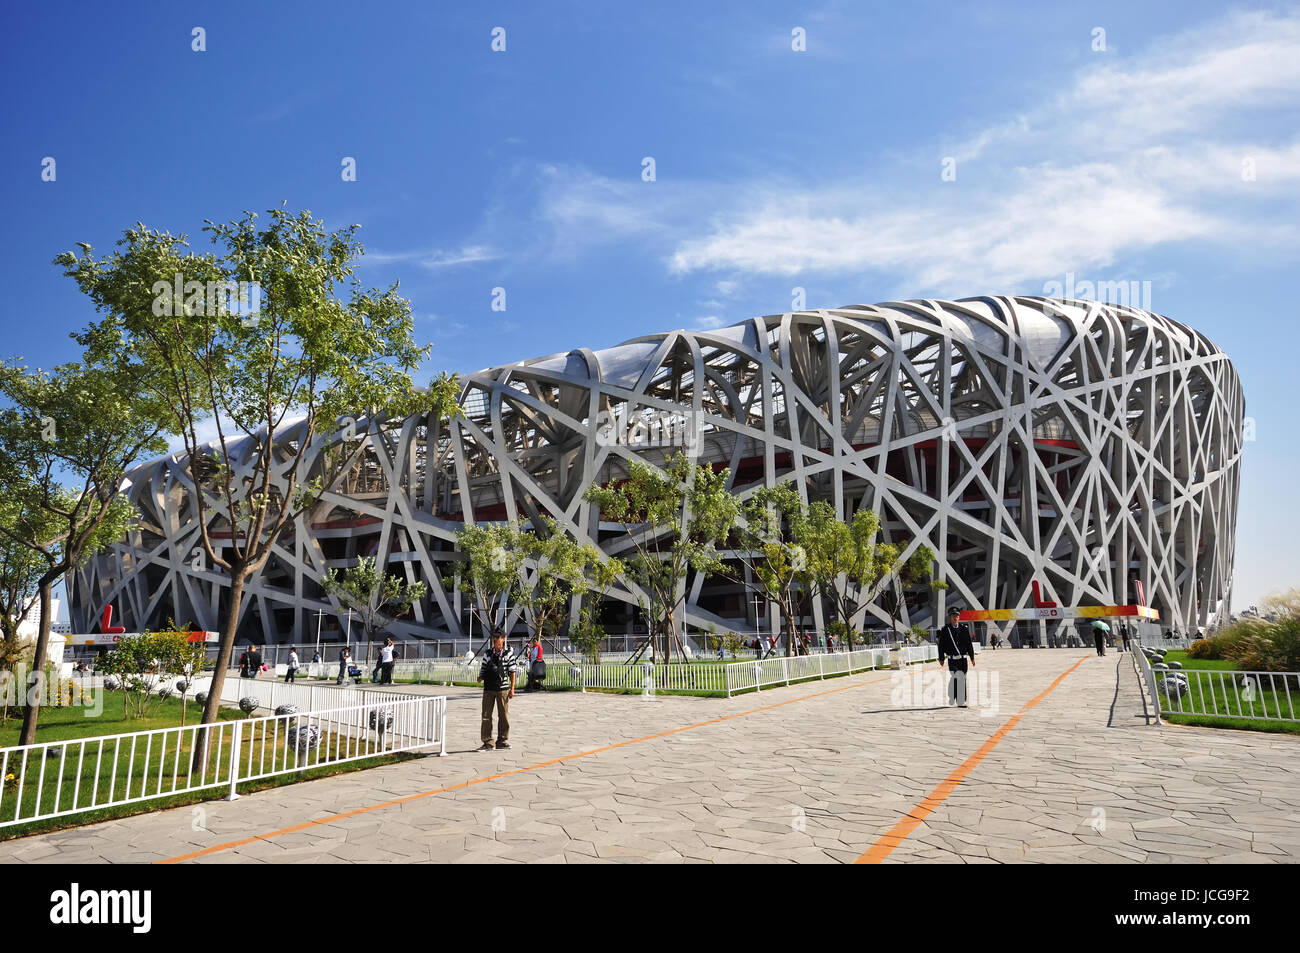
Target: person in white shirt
386, 661
291, 670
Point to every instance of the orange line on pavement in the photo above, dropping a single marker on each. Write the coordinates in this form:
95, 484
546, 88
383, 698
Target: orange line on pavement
230, 845
900, 831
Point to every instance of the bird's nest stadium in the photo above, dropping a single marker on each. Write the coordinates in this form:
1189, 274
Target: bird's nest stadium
1092, 448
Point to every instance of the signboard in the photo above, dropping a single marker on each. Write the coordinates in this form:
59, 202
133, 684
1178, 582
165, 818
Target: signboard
112, 638
1059, 612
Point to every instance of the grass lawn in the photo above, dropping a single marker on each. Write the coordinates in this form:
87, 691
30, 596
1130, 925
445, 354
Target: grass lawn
1202, 664
63, 724
1241, 724
1223, 695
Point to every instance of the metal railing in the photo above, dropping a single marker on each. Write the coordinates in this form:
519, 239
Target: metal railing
701, 677
60, 778
1262, 696
271, 693
1148, 678
366, 654
783, 670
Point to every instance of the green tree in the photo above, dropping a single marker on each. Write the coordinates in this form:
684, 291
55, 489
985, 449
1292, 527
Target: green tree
282, 371
768, 545
901, 576
673, 520
846, 564
840, 562
144, 662
13, 655
66, 441
494, 553
191, 661
558, 571
21, 566
374, 595
588, 634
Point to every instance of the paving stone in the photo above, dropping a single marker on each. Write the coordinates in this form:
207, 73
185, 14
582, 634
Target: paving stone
846, 765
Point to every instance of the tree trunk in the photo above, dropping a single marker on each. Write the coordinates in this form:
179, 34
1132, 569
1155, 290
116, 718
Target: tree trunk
790, 634
227, 625
35, 689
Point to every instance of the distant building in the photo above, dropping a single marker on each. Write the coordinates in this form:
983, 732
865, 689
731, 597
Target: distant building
1093, 449
30, 626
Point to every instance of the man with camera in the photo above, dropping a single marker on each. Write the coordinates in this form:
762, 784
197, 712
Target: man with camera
498, 678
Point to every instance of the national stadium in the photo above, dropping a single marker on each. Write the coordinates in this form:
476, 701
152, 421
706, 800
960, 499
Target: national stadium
1074, 451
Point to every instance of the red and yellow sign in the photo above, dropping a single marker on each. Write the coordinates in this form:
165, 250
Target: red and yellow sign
112, 638
1058, 612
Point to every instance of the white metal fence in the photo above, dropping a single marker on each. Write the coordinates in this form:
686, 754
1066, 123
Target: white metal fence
60, 778
366, 655
271, 694
1266, 696
705, 678
783, 670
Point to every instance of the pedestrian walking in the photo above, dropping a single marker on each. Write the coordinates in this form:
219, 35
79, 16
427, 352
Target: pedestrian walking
387, 656
536, 665
243, 662
1124, 634
254, 662
1099, 637
498, 677
291, 670
345, 663
955, 646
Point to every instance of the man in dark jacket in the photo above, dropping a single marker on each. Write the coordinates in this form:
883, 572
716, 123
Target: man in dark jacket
498, 678
955, 646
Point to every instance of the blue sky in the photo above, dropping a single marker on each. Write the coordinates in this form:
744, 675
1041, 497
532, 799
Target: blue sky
774, 168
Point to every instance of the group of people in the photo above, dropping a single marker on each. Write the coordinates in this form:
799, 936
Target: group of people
383, 670
1102, 636
250, 663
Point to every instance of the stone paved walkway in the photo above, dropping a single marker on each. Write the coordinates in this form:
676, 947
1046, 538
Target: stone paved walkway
818, 772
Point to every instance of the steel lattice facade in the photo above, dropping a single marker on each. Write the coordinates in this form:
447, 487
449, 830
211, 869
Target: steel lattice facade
1094, 448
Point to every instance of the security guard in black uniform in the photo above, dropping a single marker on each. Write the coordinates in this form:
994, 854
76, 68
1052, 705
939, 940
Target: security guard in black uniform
955, 646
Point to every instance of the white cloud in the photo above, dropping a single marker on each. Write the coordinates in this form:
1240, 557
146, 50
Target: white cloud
1123, 156
1127, 158
434, 259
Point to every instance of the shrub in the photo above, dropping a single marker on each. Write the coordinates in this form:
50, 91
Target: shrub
1268, 646
1223, 644
588, 635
